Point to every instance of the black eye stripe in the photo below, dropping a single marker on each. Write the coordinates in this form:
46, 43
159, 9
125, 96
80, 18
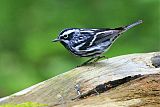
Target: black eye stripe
71, 34
67, 36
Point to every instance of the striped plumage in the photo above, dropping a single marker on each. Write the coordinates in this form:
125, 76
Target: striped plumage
90, 42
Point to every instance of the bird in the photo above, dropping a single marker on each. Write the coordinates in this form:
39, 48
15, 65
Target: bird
91, 42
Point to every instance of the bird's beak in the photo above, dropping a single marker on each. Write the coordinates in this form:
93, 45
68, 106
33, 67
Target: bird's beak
55, 40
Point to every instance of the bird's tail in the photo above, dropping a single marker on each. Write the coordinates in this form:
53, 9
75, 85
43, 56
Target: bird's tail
125, 28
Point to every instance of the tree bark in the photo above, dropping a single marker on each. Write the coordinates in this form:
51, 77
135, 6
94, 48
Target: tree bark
128, 80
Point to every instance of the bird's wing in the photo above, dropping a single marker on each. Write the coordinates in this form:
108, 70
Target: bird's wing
99, 36
104, 35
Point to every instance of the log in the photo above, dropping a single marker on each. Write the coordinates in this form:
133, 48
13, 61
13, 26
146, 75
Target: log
127, 80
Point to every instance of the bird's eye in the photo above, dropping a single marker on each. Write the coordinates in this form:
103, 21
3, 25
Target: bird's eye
65, 36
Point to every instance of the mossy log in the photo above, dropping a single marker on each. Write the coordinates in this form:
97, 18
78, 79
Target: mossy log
127, 80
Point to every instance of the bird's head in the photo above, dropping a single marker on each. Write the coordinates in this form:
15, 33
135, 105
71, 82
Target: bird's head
66, 35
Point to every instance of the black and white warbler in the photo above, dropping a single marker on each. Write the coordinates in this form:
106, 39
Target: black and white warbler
90, 42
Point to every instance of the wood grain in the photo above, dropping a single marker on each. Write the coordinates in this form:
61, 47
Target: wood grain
127, 80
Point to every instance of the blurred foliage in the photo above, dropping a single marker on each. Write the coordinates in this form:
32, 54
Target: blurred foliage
27, 55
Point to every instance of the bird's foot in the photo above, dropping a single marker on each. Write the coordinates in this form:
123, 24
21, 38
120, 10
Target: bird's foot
98, 58
92, 60
87, 62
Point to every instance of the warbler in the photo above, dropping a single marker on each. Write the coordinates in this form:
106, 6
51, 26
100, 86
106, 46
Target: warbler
88, 42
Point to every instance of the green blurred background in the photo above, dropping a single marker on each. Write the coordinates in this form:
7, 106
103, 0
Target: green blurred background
27, 55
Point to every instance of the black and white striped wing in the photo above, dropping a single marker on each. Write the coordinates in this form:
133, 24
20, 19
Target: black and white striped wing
108, 36
99, 42
100, 37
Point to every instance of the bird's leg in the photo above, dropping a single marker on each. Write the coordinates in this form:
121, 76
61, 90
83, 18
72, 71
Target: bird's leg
92, 60
98, 58
87, 62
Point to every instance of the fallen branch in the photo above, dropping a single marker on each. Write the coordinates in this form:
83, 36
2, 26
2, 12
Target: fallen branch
128, 80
